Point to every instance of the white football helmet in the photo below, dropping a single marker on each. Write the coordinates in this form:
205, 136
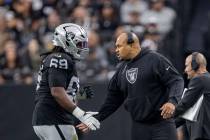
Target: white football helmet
72, 38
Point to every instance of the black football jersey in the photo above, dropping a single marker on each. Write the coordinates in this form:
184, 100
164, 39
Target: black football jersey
56, 70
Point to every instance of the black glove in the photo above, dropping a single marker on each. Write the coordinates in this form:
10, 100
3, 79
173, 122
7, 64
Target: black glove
87, 91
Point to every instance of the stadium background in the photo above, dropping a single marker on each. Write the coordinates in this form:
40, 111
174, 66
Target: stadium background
174, 28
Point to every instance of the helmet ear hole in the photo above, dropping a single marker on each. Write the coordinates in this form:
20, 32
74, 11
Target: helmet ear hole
76, 41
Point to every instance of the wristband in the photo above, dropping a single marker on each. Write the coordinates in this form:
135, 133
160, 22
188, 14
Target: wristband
77, 112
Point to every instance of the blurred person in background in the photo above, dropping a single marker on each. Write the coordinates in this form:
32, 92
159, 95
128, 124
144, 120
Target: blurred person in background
134, 23
162, 15
151, 39
10, 64
15, 27
4, 34
22, 13
80, 16
95, 66
140, 6
53, 20
30, 55
46, 31
90, 5
22, 9
110, 49
58, 84
36, 29
30, 61
149, 86
108, 20
92, 8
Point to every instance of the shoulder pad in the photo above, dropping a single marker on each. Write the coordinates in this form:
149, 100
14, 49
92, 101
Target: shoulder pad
58, 60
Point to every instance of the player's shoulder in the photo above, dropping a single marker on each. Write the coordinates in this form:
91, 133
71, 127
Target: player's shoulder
58, 60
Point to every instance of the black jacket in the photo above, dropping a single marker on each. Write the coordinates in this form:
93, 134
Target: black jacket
197, 86
144, 84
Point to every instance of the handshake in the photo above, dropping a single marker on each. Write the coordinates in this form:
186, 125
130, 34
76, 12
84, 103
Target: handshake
88, 122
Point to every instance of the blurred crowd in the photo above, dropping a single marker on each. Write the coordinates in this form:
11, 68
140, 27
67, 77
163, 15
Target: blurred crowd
27, 26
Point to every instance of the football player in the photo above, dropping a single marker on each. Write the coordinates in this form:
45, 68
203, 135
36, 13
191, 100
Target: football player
57, 85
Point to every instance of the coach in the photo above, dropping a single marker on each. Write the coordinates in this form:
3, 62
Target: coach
199, 85
149, 86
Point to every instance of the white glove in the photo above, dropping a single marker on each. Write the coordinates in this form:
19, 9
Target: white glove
87, 118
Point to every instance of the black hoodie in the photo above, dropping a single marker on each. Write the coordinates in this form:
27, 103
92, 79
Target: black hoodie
144, 84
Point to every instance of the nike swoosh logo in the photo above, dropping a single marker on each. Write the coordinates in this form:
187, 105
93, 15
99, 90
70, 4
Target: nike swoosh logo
190, 88
168, 68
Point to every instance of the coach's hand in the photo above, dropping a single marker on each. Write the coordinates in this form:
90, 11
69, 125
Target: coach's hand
82, 127
87, 118
167, 110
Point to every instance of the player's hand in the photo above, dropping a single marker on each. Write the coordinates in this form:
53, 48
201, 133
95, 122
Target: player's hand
90, 121
87, 118
87, 91
167, 110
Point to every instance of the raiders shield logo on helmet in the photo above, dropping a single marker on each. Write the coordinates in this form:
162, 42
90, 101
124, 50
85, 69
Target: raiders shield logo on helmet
131, 75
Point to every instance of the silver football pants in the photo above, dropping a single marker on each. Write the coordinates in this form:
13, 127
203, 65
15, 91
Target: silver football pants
56, 132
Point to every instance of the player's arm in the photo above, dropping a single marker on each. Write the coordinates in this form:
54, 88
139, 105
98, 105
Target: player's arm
61, 97
112, 102
57, 84
57, 77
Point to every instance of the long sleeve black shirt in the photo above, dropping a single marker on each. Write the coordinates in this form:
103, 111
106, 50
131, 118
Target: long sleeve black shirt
144, 84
